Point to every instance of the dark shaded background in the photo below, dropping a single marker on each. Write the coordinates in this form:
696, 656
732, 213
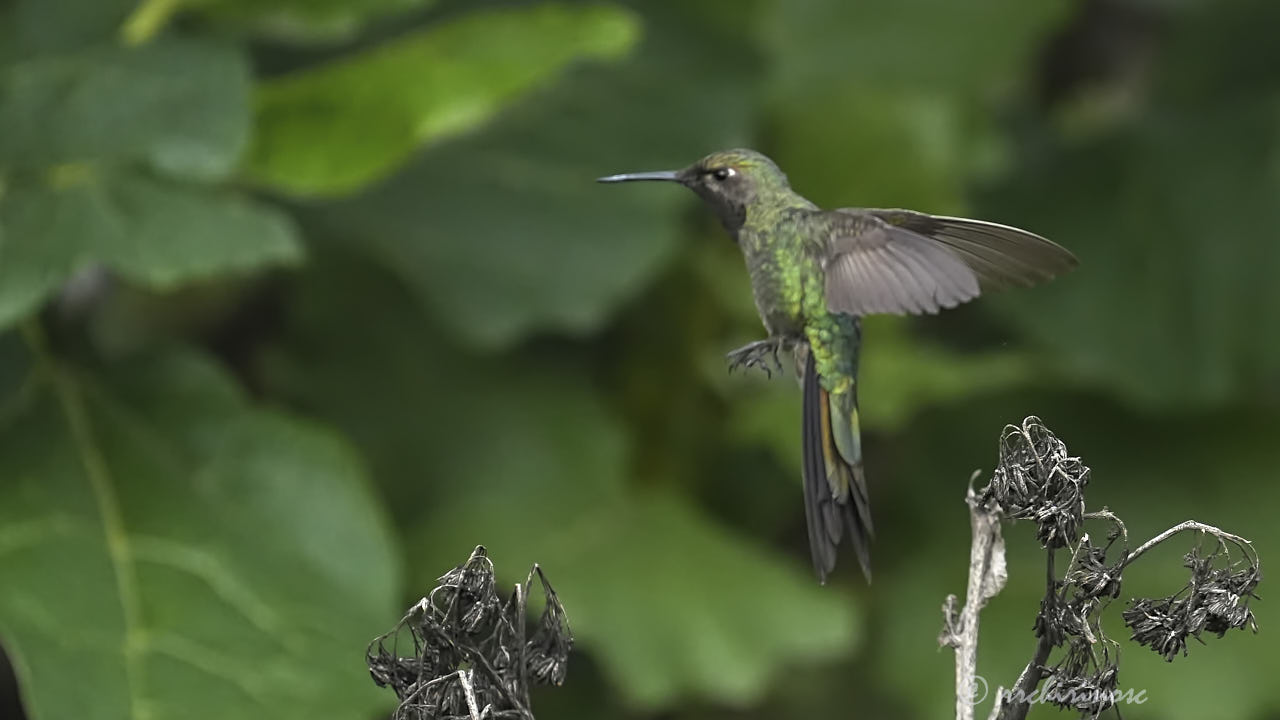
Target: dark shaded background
306, 298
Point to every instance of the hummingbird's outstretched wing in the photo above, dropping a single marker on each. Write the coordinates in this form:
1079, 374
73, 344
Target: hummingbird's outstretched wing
900, 261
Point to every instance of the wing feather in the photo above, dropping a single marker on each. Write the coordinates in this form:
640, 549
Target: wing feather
899, 261
1009, 255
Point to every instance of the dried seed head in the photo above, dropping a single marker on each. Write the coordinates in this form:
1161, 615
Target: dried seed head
462, 640
1215, 599
1036, 480
1092, 577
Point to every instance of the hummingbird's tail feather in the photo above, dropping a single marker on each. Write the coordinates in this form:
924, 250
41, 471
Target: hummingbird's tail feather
817, 495
835, 488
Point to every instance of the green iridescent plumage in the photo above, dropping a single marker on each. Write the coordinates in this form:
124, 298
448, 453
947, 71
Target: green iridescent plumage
814, 273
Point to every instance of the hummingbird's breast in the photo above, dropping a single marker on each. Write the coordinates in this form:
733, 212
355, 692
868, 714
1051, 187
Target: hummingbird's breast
775, 264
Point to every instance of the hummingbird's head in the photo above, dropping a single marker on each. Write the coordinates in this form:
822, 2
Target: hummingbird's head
729, 181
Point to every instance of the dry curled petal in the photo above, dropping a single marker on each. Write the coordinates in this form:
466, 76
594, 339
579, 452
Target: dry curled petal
1215, 599
463, 640
1036, 480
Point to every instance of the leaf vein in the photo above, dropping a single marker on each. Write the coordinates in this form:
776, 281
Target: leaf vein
102, 486
214, 572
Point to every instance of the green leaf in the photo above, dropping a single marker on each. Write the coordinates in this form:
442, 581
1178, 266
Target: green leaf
303, 20
77, 135
671, 603
914, 44
338, 127
521, 455
872, 148
35, 27
504, 233
180, 106
891, 104
188, 554
904, 375
1172, 216
1176, 275
156, 233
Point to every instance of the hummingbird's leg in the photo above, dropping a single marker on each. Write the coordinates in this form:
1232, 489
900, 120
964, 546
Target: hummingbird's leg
757, 355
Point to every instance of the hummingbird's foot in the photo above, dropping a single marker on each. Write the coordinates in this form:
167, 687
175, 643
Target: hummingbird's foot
757, 355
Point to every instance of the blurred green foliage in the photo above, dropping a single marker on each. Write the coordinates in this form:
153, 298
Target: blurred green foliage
303, 299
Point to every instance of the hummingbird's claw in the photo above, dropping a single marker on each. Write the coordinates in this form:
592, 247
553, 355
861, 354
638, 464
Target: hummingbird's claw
757, 355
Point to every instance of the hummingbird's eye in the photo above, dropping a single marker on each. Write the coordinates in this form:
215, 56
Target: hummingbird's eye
724, 173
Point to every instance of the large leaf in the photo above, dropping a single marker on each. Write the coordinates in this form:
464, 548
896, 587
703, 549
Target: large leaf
305, 20
1174, 219
179, 106
340, 126
154, 232
870, 147
35, 27
913, 44
503, 233
671, 603
100, 152
521, 455
187, 554
893, 104
1177, 266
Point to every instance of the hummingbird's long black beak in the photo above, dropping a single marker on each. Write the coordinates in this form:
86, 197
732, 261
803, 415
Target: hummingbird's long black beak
663, 175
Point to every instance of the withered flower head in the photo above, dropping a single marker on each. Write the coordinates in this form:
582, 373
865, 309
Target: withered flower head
1036, 480
461, 641
1215, 599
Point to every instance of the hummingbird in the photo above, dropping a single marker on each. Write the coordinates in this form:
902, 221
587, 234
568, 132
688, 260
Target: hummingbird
814, 274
